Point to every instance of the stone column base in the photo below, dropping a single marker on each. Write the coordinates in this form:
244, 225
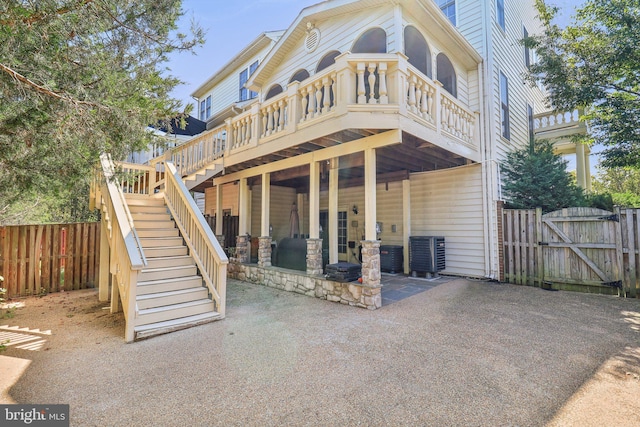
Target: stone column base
242, 249
371, 263
264, 251
314, 256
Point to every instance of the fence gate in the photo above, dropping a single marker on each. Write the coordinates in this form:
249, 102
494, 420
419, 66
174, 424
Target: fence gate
583, 249
580, 247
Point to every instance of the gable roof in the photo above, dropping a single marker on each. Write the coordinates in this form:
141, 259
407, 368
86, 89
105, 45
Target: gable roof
427, 11
262, 41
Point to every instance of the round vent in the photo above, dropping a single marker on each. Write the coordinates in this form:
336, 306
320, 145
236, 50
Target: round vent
312, 40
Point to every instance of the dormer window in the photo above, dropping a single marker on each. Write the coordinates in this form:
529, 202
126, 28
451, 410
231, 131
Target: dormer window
246, 94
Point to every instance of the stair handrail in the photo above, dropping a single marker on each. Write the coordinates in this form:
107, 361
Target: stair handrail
123, 215
203, 245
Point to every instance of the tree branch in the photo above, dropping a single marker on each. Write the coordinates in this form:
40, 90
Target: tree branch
41, 16
41, 89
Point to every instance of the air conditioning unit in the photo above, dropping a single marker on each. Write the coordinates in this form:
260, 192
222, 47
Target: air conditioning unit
426, 254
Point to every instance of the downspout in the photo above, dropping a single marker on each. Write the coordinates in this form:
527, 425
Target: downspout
488, 177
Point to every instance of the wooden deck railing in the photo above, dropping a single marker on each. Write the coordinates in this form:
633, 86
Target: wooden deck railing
203, 245
372, 83
127, 257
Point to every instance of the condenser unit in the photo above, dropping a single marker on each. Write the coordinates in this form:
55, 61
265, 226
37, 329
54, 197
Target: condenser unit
426, 254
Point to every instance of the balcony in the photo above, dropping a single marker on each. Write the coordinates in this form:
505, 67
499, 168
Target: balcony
561, 128
361, 94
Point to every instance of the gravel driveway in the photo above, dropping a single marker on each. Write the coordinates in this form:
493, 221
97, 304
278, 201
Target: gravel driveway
464, 353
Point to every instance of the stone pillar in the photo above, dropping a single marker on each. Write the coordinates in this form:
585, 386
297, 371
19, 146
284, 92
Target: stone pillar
264, 251
371, 263
314, 256
243, 250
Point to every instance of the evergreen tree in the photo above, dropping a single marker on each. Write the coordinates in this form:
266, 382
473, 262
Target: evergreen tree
78, 78
536, 177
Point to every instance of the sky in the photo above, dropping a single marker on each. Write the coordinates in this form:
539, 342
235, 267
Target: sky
232, 25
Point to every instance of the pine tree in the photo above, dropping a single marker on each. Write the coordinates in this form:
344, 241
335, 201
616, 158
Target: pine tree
536, 177
78, 78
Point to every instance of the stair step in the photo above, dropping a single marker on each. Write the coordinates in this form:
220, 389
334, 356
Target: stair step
165, 251
168, 285
174, 311
153, 329
155, 242
169, 261
150, 217
172, 297
137, 200
152, 224
157, 232
149, 274
148, 209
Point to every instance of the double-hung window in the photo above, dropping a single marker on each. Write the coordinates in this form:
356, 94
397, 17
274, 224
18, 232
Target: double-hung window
500, 13
246, 94
504, 106
448, 7
205, 108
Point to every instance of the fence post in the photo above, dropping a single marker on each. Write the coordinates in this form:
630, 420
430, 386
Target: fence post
632, 247
539, 249
619, 268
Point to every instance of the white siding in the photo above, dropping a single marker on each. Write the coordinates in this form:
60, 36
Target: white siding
227, 92
336, 34
449, 203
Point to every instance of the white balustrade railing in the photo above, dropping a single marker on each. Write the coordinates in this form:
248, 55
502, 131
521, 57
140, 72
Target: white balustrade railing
136, 179
203, 245
274, 115
547, 121
318, 96
456, 119
127, 257
354, 82
241, 130
421, 96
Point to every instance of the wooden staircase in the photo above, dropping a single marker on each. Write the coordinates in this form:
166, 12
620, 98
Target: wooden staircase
170, 294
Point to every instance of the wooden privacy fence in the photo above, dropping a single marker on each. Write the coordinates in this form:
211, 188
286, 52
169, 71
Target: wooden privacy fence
583, 249
49, 258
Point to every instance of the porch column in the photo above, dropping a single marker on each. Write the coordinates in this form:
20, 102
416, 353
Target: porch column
580, 166
314, 243
242, 243
218, 210
406, 222
333, 211
264, 243
370, 246
587, 167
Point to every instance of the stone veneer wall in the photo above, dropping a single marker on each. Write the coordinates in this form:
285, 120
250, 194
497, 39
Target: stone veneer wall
352, 293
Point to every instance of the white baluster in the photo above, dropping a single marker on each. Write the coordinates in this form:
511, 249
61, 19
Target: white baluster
382, 69
334, 83
326, 104
412, 93
305, 104
312, 102
419, 98
372, 83
318, 110
276, 118
362, 98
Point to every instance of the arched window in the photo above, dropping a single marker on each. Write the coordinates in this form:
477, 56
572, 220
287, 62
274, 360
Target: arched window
373, 40
328, 60
299, 76
273, 91
446, 74
416, 48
